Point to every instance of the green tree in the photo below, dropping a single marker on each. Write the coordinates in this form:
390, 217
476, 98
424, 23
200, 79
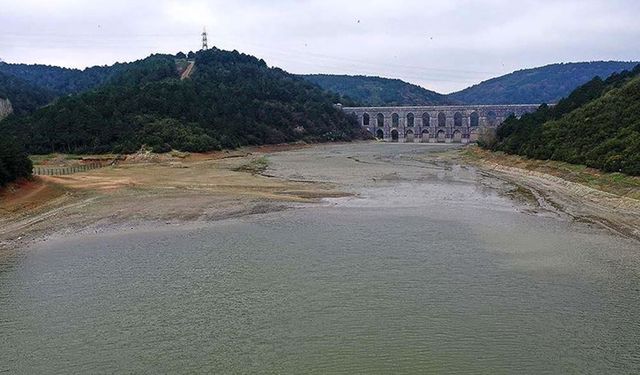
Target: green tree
14, 163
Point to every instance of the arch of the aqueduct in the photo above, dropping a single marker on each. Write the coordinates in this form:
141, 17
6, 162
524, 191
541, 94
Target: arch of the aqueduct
435, 124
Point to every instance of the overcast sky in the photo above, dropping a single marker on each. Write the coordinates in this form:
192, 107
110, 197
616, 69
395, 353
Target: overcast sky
441, 45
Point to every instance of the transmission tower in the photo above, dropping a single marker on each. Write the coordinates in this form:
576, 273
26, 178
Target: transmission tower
205, 45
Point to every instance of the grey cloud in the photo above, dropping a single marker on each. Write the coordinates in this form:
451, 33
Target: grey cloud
442, 45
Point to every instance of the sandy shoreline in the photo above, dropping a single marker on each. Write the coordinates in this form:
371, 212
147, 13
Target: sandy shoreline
205, 188
200, 188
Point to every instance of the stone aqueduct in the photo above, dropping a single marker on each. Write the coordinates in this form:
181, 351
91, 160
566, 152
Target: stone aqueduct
435, 124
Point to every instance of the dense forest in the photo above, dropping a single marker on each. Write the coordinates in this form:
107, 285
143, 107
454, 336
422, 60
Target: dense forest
377, 91
598, 125
62, 81
25, 98
30, 87
14, 163
231, 100
547, 84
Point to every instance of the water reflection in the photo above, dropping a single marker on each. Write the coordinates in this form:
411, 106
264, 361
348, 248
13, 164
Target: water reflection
408, 277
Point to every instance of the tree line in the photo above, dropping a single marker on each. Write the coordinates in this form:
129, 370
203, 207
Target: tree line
597, 125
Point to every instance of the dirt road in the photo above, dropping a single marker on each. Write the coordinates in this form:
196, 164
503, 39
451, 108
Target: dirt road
187, 72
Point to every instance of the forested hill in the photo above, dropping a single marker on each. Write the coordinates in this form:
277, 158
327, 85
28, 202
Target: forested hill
547, 84
24, 97
598, 125
377, 91
231, 100
30, 87
61, 81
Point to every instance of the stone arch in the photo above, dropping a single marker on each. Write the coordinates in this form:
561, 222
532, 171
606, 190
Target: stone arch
409, 136
394, 135
426, 119
492, 118
457, 119
366, 120
380, 134
395, 120
424, 138
474, 120
442, 119
411, 120
380, 120
441, 136
457, 136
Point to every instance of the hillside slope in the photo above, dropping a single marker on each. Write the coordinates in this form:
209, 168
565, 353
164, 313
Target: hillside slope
377, 91
547, 84
598, 125
61, 81
230, 100
24, 97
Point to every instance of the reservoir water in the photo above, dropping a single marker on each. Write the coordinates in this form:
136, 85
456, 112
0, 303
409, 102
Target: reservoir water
430, 268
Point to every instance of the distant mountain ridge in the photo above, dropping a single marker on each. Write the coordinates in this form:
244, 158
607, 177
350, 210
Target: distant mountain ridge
547, 84
378, 91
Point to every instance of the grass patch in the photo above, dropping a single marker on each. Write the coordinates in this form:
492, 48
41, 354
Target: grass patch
523, 194
179, 154
39, 159
255, 166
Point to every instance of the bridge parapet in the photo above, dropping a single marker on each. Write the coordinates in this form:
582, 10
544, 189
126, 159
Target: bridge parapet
443, 124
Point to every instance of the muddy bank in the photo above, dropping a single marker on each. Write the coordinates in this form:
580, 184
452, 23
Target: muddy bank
614, 209
609, 203
210, 187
